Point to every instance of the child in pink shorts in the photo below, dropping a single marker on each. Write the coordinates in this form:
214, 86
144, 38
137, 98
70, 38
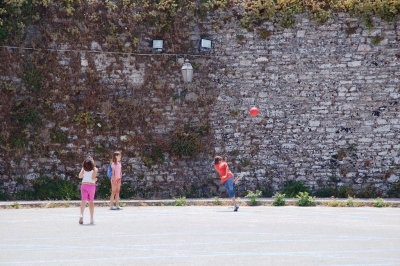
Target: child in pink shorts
88, 189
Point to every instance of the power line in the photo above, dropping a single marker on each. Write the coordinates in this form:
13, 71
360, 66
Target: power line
105, 52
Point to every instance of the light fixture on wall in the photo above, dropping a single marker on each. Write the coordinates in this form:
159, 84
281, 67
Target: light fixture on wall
157, 45
205, 45
187, 75
187, 72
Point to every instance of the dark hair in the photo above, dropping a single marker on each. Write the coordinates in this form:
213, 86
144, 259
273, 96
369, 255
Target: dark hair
115, 154
217, 159
88, 164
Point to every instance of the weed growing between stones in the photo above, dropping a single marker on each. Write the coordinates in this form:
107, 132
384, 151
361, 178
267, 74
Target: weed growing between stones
287, 20
240, 38
379, 203
245, 163
58, 136
305, 200
279, 199
376, 40
15, 205
336, 203
181, 201
217, 201
253, 196
351, 202
265, 34
368, 22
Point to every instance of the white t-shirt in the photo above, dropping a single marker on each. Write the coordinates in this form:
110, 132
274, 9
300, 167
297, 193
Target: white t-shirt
87, 177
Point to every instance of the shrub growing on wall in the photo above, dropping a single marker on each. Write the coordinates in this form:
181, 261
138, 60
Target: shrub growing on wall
185, 143
46, 188
292, 188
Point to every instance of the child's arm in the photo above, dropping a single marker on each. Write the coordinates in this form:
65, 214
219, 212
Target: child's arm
226, 171
112, 174
81, 173
94, 174
227, 167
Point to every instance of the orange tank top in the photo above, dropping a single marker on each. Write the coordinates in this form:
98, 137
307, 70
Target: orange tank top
222, 168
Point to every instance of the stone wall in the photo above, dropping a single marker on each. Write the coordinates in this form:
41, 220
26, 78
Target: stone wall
328, 102
328, 97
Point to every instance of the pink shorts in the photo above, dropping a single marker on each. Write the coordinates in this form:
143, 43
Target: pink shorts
88, 191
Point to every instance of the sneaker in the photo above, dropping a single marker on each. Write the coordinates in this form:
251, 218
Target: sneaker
80, 220
113, 208
119, 208
235, 208
91, 221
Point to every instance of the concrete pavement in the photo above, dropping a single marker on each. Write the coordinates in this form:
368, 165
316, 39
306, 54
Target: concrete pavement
201, 235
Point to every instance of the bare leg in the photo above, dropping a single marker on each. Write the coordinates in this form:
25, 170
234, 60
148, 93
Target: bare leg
117, 191
234, 200
83, 205
112, 195
111, 199
91, 209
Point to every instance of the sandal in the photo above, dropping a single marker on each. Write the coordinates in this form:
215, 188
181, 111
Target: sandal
81, 220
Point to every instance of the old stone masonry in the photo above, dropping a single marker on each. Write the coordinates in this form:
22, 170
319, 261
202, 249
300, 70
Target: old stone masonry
328, 98
328, 101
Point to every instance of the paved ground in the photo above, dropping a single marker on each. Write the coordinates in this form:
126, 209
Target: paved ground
202, 235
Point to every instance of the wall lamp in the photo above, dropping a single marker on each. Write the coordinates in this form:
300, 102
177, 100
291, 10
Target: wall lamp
187, 75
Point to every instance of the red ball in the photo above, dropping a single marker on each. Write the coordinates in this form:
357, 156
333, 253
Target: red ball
254, 111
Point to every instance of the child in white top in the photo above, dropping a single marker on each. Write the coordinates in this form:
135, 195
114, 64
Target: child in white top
88, 188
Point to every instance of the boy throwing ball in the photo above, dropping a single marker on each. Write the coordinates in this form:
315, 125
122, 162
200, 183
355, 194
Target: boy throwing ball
227, 178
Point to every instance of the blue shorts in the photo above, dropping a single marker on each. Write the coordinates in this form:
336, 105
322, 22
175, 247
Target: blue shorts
229, 185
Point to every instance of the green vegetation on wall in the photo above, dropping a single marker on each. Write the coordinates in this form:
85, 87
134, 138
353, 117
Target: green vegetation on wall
46, 188
113, 19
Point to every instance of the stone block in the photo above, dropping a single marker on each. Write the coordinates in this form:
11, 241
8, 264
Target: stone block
382, 129
262, 59
365, 140
354, 64
301, 34
364, 48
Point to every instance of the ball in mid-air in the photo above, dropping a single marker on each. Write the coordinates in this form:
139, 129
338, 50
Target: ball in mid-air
254, 111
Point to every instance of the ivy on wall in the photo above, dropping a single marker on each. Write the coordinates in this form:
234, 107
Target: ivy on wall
113, 21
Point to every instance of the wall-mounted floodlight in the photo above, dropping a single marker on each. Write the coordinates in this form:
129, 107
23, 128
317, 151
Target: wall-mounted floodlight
157, 46
205, 45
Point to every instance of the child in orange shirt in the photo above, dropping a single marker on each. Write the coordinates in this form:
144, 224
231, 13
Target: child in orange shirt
227, 178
